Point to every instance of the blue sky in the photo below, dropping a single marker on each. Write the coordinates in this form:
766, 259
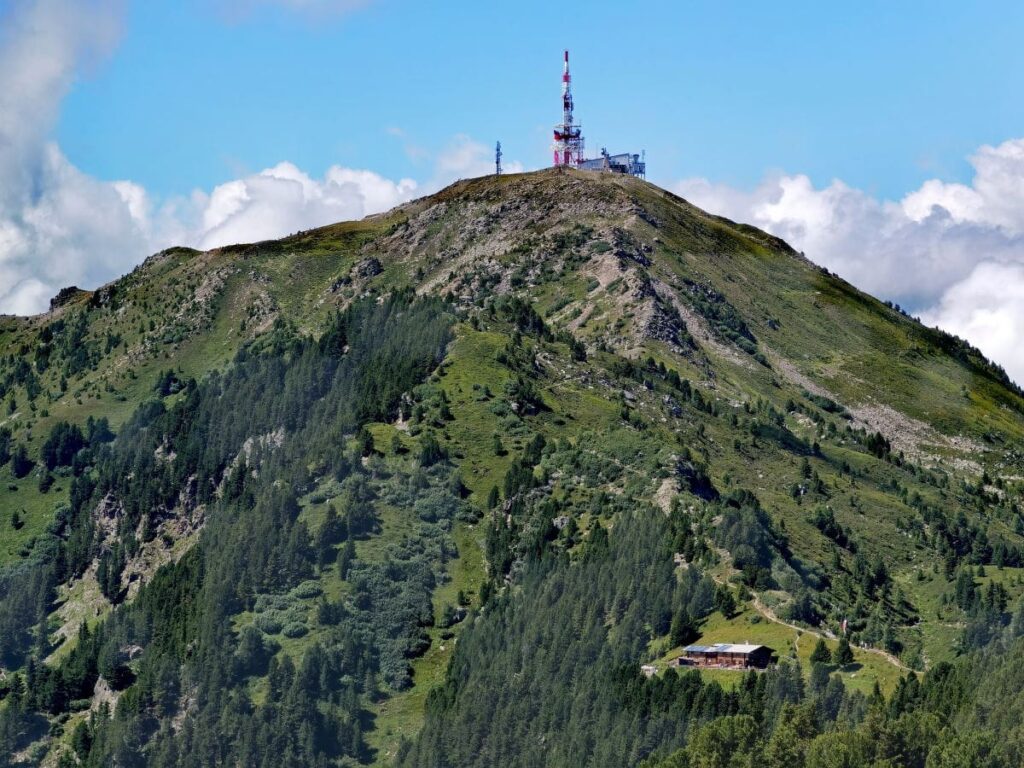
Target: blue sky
882, 95
884, 140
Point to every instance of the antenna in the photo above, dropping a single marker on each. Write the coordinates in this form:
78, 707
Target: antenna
568, 144
497, 159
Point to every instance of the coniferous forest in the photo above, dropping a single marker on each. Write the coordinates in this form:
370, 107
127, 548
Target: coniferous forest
253, 549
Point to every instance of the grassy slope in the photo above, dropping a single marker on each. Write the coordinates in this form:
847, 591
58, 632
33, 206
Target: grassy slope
750, 626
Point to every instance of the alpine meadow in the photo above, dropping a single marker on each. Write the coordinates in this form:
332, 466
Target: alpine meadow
523, 473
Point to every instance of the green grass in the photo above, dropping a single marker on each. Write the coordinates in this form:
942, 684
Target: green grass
748, 626
396, 715
472, 361
401, 715
34, 509
940, 625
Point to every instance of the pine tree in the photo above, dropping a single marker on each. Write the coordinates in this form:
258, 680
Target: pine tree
843, 654
365, 442
682, 631
21, 464
820, 654
346, 556
725, 603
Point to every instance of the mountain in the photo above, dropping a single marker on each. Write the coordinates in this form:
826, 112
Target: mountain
428, 489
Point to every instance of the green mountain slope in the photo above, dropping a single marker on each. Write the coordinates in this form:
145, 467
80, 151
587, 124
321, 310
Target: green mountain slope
430, 487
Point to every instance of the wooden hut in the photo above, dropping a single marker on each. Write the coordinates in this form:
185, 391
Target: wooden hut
727, 655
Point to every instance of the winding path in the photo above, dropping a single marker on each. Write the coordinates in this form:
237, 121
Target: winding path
769, 614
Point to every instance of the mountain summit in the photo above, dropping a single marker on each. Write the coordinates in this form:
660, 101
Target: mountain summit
455, 485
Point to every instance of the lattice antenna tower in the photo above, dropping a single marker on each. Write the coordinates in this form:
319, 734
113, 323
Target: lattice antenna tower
568, 144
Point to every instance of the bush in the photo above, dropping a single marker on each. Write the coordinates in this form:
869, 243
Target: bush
5, 445
254, 652
272, 603
725, 603
295, 629
431, 451
268, 624
307, 589
21, 464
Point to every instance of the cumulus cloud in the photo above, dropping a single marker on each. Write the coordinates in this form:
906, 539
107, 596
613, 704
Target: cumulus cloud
75, 230
993, 199
949, 251
43, 45
284, 199
987, 307
48, 232
59, 226
79, 230
465, 158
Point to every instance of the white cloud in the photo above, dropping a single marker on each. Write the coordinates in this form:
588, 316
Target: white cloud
994, 198
464, 158
76, 230
43, 44
50, 233
952, 252
59, 226
283, 199
987, 307
912, 250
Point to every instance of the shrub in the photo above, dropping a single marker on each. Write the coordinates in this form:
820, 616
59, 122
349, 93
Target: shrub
268, 624
307, 589
21, 464
272, 603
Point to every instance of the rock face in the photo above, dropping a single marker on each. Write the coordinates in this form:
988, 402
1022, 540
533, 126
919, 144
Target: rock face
367, 268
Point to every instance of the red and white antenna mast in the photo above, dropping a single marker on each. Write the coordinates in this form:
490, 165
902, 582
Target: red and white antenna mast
568, 145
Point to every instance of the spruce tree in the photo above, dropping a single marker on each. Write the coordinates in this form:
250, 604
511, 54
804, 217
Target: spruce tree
843, 654
346, 556
682, 631
725, 602
21, 464
820, 654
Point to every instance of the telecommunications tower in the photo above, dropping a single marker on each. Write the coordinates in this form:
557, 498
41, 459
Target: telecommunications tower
497, 159
568, 145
